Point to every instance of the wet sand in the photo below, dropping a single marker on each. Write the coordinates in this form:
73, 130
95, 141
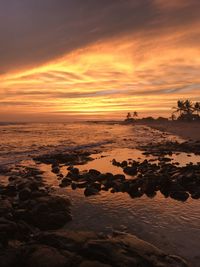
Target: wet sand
185, 130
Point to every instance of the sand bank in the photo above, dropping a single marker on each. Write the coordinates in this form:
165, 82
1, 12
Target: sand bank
185, 130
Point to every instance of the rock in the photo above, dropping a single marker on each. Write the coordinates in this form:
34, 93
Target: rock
94, 172
179, 195
8, 258
90, 190
55, 169
149, 188
124, 164
66, 248
24, 194
165, 186
75, 171
11, 190
87, 263
116, 163
82, 184
65, 182
49, 212
45, 256
195, 195
73, 186
120, 177
5, 206
8, 230
127, 250
130, 170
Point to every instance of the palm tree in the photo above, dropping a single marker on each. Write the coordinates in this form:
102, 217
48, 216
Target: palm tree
180, 107
135, 114
128, 116
197, 107
188, 107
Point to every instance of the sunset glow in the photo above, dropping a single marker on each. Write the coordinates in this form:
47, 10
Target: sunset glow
94, 72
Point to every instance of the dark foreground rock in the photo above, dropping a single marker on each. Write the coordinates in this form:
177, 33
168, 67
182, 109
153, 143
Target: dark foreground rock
85, 249
46, 213
27, 206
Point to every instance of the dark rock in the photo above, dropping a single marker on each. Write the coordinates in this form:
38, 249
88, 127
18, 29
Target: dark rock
24, 194
8, 229
75, 171
149, 188
5, 206
50, 212
124, 164
87, 263
45, 256
195, 195
116, 163
90, 190
9, 258
11, 190
73, 186
130, 170
120, 177
81, 184
65, 182
55, 169
179, 195
94, 172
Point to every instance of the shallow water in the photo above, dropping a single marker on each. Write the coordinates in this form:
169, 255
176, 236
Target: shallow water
17, 142
171, 225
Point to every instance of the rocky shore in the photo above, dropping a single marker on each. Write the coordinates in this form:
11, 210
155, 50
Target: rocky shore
32, 216
145, 177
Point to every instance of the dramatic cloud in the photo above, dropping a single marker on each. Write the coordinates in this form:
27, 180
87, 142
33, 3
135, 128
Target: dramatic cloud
34, 31
94, 56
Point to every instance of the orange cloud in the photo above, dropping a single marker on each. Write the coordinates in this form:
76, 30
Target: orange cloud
145, 70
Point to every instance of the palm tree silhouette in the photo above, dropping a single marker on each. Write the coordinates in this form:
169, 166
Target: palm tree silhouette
128, 116
135, 114
197, 107
186, 110
180, 107
188, 107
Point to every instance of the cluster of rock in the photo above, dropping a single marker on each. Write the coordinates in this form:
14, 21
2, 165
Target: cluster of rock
170, 147
86, 249
77, 157
144, 178
26, 206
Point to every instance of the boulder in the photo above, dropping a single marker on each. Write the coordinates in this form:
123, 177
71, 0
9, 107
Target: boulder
179, 195
24, 194
45, 256
49, 212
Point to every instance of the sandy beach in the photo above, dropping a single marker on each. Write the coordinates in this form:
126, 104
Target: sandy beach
185, 130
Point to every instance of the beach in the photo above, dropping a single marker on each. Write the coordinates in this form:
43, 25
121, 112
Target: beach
107, 181
186, 130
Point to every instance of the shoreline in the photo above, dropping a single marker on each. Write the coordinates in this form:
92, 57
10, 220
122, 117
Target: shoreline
186, 130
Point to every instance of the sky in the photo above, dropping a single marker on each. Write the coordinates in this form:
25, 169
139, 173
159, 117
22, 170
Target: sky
97, 59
